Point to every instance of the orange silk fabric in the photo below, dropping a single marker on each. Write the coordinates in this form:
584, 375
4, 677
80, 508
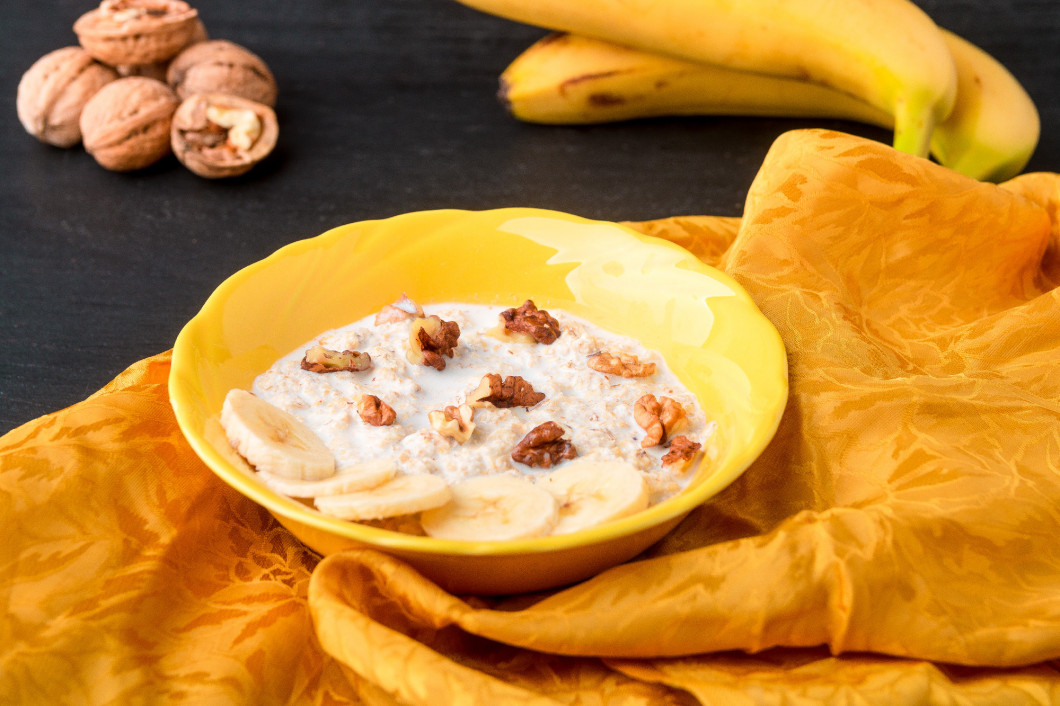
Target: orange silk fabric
897, 542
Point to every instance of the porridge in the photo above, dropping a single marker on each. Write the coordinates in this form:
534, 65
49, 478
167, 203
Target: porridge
482, 411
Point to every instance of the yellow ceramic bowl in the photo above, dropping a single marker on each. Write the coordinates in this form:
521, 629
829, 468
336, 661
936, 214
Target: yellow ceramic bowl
706, 327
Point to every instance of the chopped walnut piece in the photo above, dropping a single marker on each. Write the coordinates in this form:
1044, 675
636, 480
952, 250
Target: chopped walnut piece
543, 446
403, 308
530, 320
319, 359
625, 364
682, 449
375, 411
512, 391
454, 422
429, 339
502, 334
659, 418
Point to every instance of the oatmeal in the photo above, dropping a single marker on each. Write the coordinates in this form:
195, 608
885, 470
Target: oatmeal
447, 391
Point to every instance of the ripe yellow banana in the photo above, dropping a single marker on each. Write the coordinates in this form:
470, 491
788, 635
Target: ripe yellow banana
567, 79
994, 127
888, 53
570, 79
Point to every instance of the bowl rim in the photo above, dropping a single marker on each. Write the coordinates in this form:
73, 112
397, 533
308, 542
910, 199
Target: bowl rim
183, 382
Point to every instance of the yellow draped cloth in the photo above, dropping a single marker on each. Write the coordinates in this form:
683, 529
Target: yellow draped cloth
898, 542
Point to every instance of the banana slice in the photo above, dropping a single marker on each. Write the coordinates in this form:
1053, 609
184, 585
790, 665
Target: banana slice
360, 477
272, 440
590, 493
493, 508
402, 495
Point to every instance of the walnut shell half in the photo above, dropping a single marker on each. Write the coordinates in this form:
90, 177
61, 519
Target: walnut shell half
132, 32
220, 66
217, 135
125, 126
53, 92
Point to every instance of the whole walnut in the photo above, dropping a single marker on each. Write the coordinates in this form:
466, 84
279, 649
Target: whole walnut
125, 126
134, 32
53, 92
158, 69
220, 66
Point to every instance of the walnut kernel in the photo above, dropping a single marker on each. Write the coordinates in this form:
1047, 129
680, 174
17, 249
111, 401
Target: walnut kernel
456, 423
659, 418
375, 411
217, 136
403, 308
682, 450
319, 359
544, 446
429, 339
528, 319
623, 364
512, 391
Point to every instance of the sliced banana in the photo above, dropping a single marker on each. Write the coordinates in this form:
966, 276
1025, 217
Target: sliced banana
590, 493
272, 440
493, 508
360, 477
402, 495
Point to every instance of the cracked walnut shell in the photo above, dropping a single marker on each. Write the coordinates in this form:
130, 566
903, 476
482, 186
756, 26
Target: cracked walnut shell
220, 66
53, 92
125, 126
217, 135
136, 32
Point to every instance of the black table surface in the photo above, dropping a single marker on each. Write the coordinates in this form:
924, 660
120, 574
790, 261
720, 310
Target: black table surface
386, 106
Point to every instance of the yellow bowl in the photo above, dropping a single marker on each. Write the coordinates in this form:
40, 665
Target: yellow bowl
706, 327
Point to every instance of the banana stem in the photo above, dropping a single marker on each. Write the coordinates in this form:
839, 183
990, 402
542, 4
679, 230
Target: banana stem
914, 121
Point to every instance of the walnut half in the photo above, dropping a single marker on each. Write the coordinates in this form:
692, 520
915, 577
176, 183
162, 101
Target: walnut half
375, 411
659, 418
453, 422
429, 339
319, 359
512, 391
682, 449
544, 446
626, 365
403, 308
531, 321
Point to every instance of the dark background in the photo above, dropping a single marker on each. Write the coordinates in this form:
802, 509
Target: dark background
386, 106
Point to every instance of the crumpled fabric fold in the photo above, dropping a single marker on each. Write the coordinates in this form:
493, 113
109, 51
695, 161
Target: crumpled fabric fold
895, 543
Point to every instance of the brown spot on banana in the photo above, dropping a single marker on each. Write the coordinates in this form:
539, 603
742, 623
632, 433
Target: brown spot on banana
605, 99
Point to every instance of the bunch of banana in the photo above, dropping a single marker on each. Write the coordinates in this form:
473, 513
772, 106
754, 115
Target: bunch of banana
566, 79
882, 62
